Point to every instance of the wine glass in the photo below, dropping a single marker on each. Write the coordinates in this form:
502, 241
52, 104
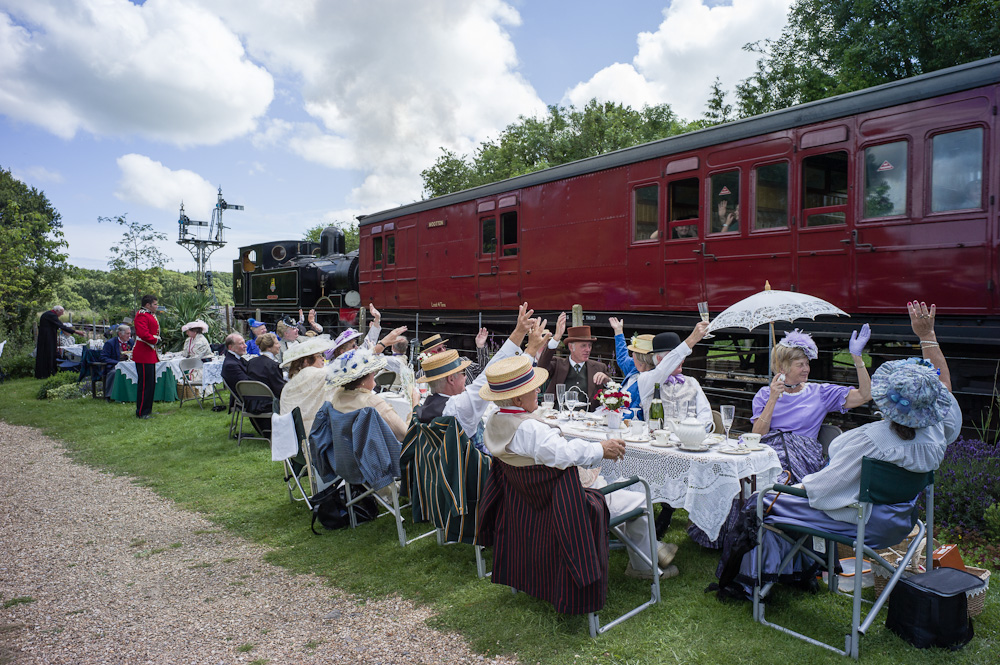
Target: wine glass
561, 395
703, 311
728, 412
548, 401
571, 402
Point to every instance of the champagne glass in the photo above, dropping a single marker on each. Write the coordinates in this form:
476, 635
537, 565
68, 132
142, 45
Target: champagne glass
703, 311
561, 395
571, 402
728, 412
548, 401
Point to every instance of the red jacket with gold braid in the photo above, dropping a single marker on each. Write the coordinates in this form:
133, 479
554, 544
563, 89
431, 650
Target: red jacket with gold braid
147, 329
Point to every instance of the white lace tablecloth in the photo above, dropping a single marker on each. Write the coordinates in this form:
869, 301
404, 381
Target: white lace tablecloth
74, 350
211, 372
127, 369
704, 484
399, 403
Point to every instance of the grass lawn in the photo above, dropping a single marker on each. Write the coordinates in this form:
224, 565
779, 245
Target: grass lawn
185, 456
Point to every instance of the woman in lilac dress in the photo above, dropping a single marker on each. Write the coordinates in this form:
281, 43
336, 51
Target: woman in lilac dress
790, 411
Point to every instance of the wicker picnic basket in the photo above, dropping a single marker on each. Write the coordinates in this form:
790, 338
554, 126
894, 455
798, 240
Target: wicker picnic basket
975, 599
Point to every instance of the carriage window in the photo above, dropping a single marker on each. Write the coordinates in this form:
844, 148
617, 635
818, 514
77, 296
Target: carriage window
682, 197
824, 186
377, 251
957, 170
390, 250
489, 226
646, 213
725, 202
771, 196
508, 230
885, 180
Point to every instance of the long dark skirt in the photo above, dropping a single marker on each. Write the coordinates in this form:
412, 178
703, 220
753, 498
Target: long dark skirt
799, 455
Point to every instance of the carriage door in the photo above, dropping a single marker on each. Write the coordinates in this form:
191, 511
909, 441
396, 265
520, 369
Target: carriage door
499, 253
682, 271
644, 280
383, 275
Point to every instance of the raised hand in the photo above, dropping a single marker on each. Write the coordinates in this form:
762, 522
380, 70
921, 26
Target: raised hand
393, 335
376, 315
481, 338
560, 326
921, 318
617, 325
523, 319
859, 339
697, 334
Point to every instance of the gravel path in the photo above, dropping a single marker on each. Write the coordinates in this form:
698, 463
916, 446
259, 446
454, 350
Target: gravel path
102, 571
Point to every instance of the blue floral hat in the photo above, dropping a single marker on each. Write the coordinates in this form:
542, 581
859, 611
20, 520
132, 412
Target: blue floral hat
910, 393
353, 365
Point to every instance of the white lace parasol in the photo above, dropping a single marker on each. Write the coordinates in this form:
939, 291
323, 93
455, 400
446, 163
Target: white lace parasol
769, 306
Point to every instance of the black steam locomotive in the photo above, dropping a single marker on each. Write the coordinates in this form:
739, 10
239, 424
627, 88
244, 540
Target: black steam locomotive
274, 279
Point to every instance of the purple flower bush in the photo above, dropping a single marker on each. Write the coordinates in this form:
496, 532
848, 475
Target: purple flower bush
966, 484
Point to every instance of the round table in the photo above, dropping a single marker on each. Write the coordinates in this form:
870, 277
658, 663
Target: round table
124, 388
703, 483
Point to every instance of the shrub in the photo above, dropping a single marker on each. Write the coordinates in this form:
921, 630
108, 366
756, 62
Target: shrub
55, 381
67, 391
966, 485
992, 518
17, 363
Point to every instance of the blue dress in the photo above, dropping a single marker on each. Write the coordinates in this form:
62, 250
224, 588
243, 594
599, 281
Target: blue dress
627, 366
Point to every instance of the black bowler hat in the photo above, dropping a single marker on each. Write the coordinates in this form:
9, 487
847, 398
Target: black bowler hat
666, 341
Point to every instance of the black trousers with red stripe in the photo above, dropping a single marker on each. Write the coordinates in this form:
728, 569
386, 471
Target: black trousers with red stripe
147, 384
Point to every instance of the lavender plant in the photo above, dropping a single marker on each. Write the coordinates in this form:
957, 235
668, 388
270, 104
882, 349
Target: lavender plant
966, 485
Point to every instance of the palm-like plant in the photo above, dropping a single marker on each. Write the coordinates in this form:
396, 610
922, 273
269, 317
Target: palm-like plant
186, 307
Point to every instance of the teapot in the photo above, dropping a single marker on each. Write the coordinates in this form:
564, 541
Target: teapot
690, 432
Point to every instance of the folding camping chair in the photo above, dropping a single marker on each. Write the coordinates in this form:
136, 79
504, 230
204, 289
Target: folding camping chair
444, 475
532, 543
246, 391
187, 383
881, 483
297, 466
354, 444
385, 380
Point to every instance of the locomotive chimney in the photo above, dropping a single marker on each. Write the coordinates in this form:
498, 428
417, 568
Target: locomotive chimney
332, 241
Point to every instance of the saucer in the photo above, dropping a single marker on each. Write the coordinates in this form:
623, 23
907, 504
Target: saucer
754, 448
656, 443
699, 449
734, 451
636, 439
713, 439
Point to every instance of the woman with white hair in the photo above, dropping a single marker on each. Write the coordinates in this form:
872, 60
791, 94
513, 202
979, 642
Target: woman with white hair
790, 411
921, 419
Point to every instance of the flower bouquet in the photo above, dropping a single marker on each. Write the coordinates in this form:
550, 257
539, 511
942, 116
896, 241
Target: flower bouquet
614, 399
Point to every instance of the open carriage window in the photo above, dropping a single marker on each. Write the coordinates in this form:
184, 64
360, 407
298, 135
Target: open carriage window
508, 231
646, 213
725, 210
377, 251
683, 197
824, 189
771, 196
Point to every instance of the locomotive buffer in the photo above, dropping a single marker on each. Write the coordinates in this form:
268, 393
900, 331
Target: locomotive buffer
202, 248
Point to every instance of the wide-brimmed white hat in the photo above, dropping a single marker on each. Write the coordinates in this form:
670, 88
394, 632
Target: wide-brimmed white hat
198, 323
353, 365
310, 347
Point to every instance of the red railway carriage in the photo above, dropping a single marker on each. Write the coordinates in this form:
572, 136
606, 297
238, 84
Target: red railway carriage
865, 200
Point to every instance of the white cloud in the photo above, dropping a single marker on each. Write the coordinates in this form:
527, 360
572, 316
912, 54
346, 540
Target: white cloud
148, 182
678, 63
387, 87
167, 70
32, 175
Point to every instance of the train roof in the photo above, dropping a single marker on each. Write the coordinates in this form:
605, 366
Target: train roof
933, 84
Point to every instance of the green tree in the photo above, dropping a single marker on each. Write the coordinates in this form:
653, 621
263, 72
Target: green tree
563, 135
717, 110
352, 240
829, 47
135, 257
31, 256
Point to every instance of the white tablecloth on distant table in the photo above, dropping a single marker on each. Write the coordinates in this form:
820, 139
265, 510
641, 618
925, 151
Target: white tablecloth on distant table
127, 368
211, 372
74, 350
704, 484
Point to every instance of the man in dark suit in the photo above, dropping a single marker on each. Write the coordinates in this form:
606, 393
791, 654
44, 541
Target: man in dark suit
234, 367
112, 353
49, 326
578, 370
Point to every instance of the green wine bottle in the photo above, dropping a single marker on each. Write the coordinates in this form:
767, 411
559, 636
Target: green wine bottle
655, 410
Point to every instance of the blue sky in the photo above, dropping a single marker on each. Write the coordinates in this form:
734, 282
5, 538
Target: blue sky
316, 111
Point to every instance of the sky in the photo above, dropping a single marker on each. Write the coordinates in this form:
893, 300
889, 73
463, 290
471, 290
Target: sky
317, 111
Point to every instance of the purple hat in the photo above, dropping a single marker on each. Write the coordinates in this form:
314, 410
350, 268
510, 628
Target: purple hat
797, 339
345, 337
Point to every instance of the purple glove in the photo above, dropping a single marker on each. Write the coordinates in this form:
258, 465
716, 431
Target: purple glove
859, 340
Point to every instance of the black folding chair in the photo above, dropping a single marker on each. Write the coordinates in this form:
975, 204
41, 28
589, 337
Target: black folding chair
253, 390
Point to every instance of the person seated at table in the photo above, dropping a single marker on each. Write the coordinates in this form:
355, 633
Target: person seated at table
921, 418
790, 411
307, 387
640, 360
352, 374
668, 354
264, 368
516, 437
577, 371
451, 396
196, 345
257, 328
115, 350
234, 365
288, 335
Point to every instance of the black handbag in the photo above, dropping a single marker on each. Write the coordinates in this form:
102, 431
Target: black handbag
329, 506
931, 609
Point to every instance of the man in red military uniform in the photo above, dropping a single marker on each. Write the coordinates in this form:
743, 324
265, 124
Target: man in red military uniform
147, 332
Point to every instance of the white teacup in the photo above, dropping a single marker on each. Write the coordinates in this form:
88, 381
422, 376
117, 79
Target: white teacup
662, 436
750, 440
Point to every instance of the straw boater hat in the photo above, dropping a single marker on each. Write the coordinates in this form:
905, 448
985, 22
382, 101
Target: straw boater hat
441, 365
311, 346
910, 392
641, 344
431, 342
195, 324
511, 377
579, 334
353, 365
